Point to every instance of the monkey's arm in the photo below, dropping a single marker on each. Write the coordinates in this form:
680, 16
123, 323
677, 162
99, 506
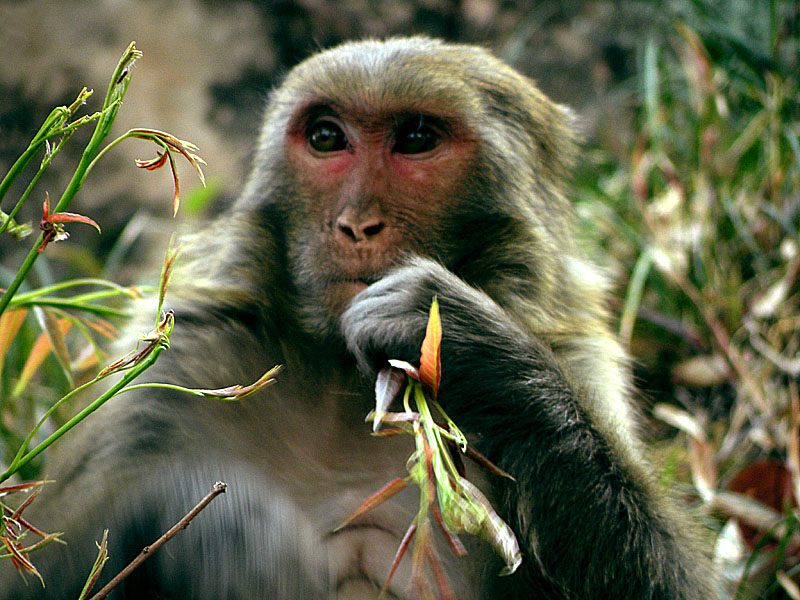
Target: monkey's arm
589, 520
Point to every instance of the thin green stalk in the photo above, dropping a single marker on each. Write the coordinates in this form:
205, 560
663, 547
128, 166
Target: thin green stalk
21, 460
22, 273
633, 297
114, 96
113, 290
12, 174
66, 134
33, 148
71, 303
52, 127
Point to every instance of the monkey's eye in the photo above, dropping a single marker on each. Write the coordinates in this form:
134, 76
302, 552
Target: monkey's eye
327, 136
415, 136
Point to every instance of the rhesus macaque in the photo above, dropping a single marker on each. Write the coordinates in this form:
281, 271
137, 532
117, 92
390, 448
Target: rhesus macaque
386, 173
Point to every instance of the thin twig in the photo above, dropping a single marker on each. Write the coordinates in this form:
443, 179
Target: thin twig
219, 488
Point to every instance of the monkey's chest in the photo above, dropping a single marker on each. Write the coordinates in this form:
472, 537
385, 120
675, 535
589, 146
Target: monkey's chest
362, 553
329, 465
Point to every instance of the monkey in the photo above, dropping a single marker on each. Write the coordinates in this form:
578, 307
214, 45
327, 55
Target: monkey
386, 173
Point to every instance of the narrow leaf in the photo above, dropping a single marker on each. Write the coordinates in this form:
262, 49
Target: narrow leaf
378, 498
17, 487
493, 529
173, 248
41, 348
55, 330
67, 217
97, 567
443, 587
10, 322
452, 539
430, 363
401, 550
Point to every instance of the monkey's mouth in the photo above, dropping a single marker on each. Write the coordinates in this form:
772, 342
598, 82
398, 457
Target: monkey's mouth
339, 291
359, 282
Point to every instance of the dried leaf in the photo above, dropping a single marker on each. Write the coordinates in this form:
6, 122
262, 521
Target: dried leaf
793, 449
387, 385
237, 392
680, 419
409, 369
768, 481
789, 586
173, 249
702, 371
472, 512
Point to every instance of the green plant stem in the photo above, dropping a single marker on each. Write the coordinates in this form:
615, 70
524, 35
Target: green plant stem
116, 91
21, 460
26, 157
75, 304
12, 174
66, 134
114, 289
72, 189
52, 127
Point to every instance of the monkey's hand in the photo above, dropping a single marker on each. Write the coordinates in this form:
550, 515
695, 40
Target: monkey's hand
504, 386
388, 320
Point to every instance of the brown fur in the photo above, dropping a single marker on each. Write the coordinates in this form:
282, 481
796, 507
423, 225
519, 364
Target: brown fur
329, 261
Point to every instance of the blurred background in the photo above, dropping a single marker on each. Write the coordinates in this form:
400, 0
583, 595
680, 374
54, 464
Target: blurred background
689, 184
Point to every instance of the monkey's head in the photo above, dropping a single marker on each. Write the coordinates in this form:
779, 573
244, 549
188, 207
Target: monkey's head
373, 151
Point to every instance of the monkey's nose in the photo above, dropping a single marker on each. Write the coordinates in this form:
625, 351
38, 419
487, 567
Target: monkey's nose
358, 230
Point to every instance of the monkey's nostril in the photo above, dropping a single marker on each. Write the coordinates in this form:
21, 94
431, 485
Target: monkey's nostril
358, 232
346, 229
372, 229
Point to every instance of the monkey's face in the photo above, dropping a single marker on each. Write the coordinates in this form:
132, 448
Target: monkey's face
374, 151
374, 183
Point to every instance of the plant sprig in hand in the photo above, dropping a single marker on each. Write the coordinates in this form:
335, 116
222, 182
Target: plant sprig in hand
435, 466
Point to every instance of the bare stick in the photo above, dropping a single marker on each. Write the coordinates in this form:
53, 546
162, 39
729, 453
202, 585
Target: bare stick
219, 488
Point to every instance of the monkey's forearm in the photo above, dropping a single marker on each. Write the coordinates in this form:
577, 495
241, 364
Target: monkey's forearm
571, 481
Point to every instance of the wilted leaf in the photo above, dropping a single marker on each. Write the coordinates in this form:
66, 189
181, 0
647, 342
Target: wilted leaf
237, 392
472, 512
702, 371
408, 368
767, 481
387, 385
